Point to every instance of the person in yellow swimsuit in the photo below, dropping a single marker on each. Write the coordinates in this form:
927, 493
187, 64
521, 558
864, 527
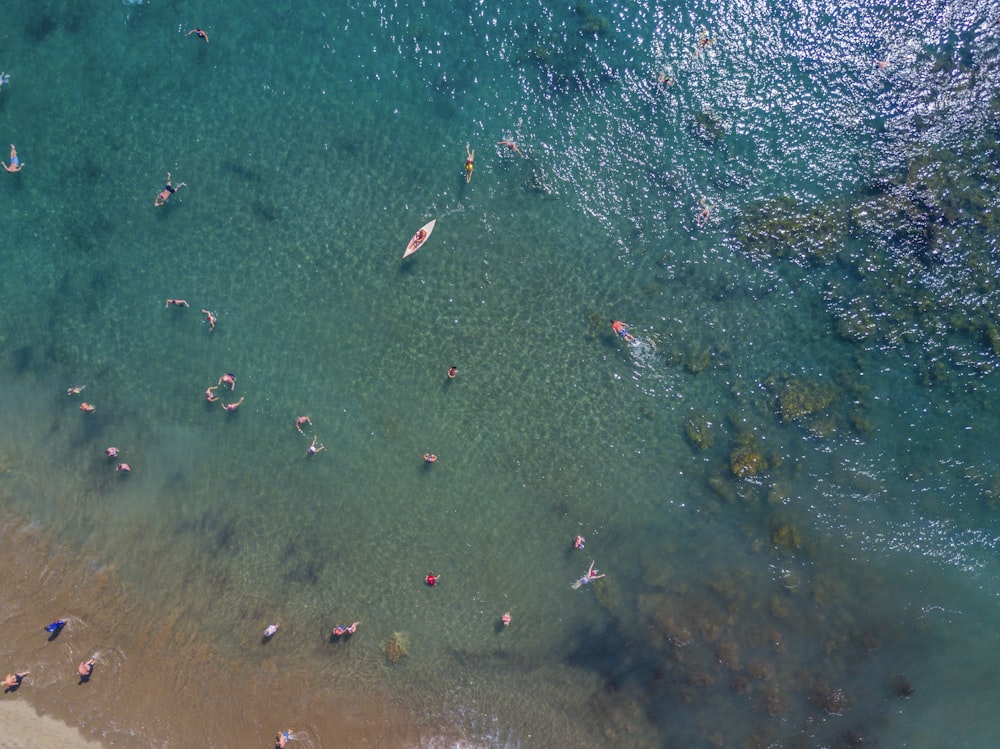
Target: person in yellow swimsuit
470, 158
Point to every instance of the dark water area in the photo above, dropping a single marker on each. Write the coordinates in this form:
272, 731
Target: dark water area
789, 479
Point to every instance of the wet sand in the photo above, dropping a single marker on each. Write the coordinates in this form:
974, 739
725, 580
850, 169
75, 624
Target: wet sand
153, 684
22, 728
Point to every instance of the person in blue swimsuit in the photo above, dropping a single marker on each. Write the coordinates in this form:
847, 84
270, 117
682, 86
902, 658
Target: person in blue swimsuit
15, 163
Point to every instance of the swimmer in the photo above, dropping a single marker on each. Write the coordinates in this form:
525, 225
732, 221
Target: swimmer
281, 740
470, 158
589, 577
705, 213
198, 33
664, 80
300, 420
210, 319
704, 40
87, 408
353, 628
75, 390
233, 406
452, 372
621, 330
55, 626
270, 630
429, 458
85, 669
167, 191
312, 449
15, 163
111, 452
505, 619
228, 379
13, 681
176, 303
210, 395
579, 542
123, 468
339, 630
432, 579
512, 146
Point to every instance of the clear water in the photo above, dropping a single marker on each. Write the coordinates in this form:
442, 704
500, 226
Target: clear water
846, 337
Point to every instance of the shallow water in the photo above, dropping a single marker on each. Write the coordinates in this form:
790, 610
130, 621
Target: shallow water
829, 334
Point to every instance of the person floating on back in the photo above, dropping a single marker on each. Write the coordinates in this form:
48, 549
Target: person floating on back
167, 191
15, 164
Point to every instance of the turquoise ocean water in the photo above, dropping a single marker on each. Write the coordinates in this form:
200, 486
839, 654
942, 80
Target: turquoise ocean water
790, 481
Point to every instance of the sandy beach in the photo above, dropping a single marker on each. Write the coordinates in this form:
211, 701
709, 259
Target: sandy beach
154, 684
22, 728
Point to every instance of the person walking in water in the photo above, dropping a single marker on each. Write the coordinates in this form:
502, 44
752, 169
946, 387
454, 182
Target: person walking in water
167, 191
85, 669
15, 164
470, 159
13, 681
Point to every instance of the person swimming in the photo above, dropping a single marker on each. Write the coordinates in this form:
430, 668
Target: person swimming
621, 330
15, 163
270, 630
167, 191
470, 159
55, 626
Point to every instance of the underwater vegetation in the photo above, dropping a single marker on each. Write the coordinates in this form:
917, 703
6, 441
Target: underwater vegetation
394, 646
911, 258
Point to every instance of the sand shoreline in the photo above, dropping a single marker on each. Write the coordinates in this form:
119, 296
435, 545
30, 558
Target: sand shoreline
21, 727
155, 684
